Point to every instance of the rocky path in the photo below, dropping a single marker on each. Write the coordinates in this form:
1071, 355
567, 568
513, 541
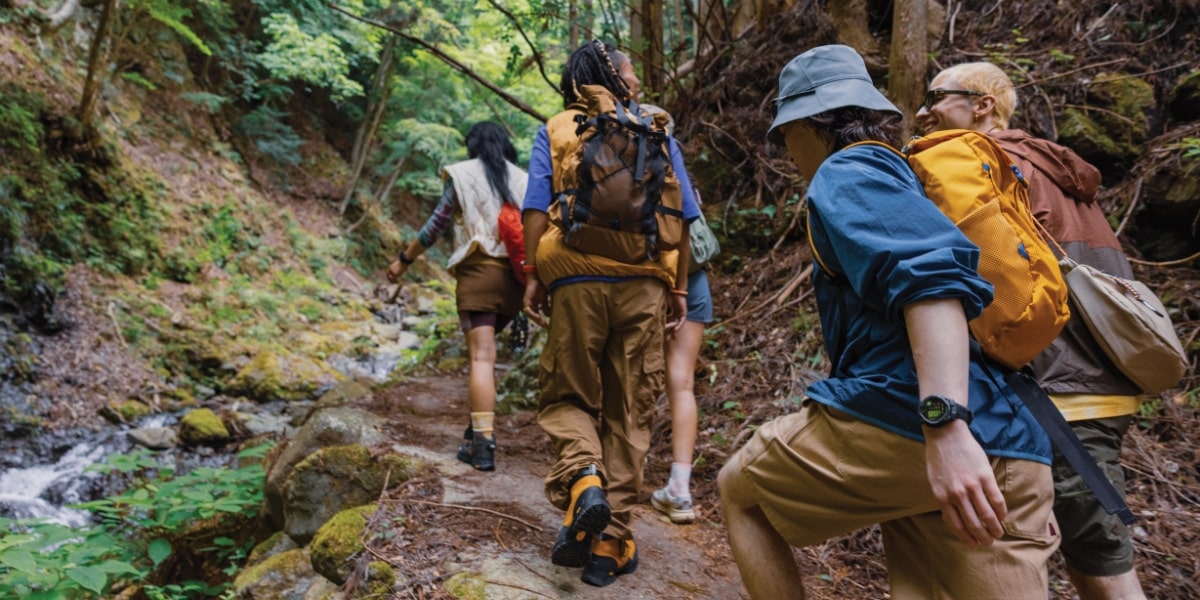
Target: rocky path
500, 526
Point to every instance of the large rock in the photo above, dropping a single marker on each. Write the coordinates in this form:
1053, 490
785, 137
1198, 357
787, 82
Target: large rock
335, 426
337, 543
282, 375
1111, 136
334, 479
1184, 98
284, 576
1170, 195
278, 543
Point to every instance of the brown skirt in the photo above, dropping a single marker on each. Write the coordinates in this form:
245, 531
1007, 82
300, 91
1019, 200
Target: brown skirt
486, 284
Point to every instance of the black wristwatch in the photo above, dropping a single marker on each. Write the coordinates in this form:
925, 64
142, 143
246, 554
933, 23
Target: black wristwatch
404, 259
936, 411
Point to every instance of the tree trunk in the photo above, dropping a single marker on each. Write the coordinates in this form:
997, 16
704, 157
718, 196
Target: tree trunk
377, 104
97, 64
646, 31
909, 55
573, 28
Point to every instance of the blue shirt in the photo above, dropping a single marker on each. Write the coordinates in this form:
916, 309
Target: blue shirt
888, 246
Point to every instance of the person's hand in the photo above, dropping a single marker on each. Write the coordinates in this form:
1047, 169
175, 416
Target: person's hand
396, 270
676, 313
964, 484
537, 306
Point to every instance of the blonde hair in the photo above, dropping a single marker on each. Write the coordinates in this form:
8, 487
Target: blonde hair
989, 79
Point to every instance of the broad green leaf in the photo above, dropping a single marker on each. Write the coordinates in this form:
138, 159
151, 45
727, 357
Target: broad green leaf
20, 560
91, 578
118, 567
159, 550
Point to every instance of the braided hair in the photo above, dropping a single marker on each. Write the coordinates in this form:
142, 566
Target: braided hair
593, 63
489, 142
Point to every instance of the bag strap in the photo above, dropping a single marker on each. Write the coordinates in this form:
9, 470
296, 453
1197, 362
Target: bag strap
1068, 444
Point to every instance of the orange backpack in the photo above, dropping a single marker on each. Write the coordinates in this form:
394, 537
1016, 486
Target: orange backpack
974, 183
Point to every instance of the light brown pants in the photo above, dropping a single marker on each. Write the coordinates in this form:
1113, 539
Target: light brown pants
601, 371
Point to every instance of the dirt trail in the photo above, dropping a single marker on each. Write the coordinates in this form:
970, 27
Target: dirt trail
505, 545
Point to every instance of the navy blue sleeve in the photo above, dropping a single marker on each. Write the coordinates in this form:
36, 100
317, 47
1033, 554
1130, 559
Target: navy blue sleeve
893, 246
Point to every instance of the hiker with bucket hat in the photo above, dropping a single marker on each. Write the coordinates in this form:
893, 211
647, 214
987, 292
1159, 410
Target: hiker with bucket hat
911, 430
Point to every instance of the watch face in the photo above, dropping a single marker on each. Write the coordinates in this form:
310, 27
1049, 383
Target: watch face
934, 408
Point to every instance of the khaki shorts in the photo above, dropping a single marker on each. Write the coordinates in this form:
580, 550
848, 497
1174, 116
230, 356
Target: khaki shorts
821, 473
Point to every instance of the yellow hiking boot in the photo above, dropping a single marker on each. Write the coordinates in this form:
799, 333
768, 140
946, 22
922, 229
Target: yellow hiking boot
587, 516
611, 558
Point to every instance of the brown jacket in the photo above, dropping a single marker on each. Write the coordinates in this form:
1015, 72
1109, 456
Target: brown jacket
1062, 192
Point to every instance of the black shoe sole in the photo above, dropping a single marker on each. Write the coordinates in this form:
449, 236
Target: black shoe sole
572, 549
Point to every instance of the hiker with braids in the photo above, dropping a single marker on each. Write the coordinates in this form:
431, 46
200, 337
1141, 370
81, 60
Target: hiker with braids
602, 367
487, 293
912, 430
1092, 394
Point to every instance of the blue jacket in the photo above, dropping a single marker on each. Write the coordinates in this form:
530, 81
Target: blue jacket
888, 246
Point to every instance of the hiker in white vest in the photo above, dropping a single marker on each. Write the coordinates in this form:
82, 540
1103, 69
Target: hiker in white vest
488, 295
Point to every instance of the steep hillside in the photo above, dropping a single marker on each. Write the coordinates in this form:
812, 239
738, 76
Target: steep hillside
152, 256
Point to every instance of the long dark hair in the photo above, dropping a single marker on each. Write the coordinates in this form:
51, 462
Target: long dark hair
594, 63
489, 142
841, 127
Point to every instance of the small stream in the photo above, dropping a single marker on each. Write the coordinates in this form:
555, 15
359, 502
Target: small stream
43, 473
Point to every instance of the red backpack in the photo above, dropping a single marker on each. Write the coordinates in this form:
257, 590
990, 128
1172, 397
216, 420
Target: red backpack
512, 233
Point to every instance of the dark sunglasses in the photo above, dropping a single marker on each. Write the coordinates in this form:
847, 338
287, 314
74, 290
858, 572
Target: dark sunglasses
934, 96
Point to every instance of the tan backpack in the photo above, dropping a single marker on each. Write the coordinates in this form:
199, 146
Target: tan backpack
618, 196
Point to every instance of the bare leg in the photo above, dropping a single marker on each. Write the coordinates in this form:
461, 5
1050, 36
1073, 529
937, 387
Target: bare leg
1116, 587
763, 557
682, 350
481, 350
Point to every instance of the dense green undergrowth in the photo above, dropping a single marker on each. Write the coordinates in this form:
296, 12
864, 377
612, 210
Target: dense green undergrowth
193, 528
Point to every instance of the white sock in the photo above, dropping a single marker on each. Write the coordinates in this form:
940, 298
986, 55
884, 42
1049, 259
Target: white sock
679, 485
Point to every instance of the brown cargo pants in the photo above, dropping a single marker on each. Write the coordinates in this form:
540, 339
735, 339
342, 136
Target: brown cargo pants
602, 370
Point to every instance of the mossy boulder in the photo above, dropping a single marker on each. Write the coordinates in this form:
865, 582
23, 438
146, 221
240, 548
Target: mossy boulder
125, 411
341, 394
277, 543
334, 479
1111, 135
381, 579
202, 427
338, 541
279, 374
1170, 201
337, 426
1184, 98
284, 576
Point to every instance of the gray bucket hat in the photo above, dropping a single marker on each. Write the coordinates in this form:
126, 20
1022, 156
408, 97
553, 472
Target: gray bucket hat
821, 79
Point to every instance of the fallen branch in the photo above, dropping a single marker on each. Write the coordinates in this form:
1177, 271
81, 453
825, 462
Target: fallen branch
112, 314
1167, 263
474, 508
1137, 193
516, 587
